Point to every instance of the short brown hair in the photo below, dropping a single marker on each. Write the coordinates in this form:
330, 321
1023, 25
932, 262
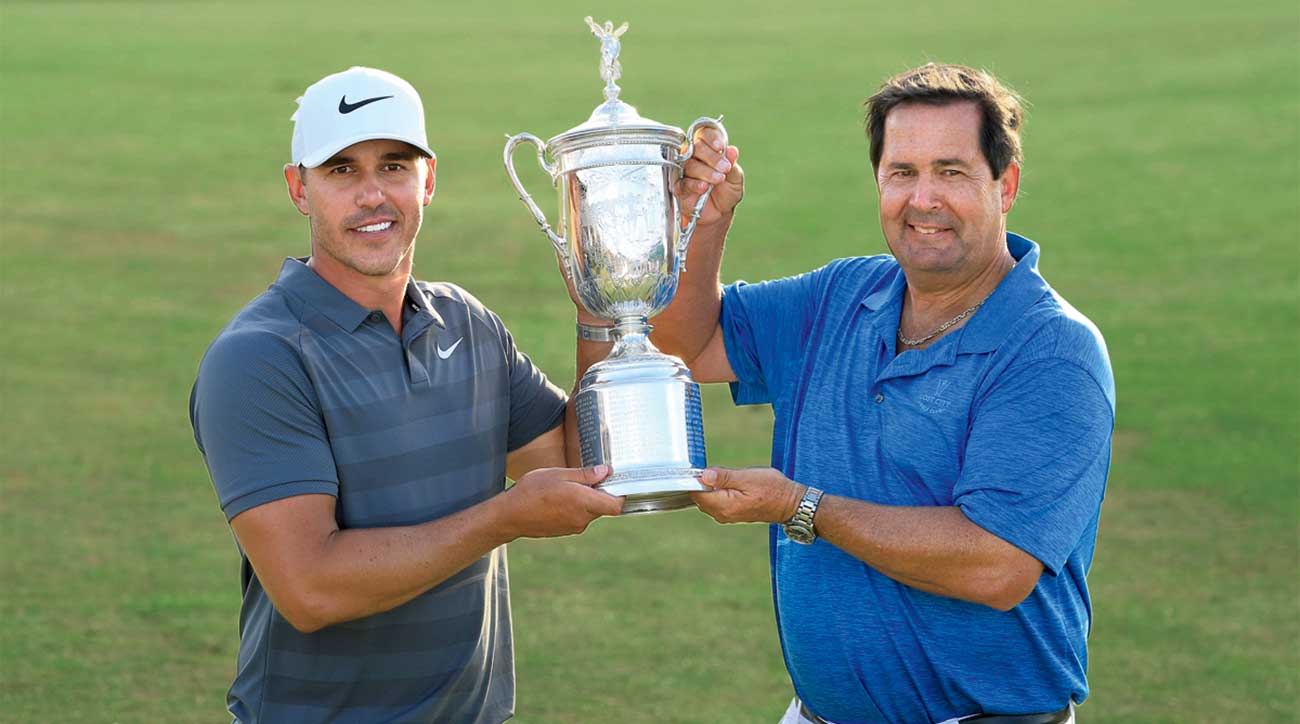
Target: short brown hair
1001, 113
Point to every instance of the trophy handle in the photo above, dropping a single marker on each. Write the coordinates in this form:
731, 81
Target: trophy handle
515, 140
684, 241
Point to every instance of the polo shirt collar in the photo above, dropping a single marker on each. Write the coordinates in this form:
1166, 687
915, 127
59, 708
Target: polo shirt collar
300, 280
1015, 294
987, 329
419, 302
888, 290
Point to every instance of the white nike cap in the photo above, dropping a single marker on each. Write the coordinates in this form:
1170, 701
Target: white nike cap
359, 104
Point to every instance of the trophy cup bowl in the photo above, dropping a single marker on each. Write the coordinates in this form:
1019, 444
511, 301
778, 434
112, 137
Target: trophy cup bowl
622, 247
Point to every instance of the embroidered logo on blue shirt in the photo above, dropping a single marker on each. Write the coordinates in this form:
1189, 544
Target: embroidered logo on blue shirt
935, 401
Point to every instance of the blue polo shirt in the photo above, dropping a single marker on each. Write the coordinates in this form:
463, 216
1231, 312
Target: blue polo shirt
305, 391
1009, 418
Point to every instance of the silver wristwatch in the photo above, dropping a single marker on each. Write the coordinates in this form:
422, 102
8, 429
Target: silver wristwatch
594, 333
800, 528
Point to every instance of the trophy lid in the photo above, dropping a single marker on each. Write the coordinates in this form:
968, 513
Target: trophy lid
613, 122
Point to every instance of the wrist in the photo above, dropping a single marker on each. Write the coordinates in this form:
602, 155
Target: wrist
722, 221
501, 517
791, 505
801, 527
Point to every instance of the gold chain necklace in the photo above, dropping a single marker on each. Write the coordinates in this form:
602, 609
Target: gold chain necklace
912, 342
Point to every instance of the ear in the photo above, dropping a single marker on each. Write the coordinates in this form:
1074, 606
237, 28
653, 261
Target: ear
431, 179
1010, 186
297, 189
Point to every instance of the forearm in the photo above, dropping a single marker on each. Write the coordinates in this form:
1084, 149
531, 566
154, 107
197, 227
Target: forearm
359, 572
934, 549
687, 325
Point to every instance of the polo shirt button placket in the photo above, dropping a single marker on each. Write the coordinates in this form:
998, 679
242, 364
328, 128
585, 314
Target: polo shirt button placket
376, 316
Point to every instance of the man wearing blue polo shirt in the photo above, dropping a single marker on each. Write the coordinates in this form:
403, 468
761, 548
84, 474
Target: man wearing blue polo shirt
942, 431
358, 426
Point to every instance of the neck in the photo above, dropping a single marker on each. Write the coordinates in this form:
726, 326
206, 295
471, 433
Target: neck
930, 301
931, 292
385, 293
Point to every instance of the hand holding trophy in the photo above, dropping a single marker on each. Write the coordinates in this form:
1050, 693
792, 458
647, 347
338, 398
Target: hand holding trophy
622, 247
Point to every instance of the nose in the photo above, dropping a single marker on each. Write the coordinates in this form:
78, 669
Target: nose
925, 194
370, 193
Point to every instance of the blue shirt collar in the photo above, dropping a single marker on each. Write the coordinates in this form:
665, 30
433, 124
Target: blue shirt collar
1015, 294
986, 330
300, 280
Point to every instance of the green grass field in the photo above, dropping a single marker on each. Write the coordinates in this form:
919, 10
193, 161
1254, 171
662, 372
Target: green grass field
142, 205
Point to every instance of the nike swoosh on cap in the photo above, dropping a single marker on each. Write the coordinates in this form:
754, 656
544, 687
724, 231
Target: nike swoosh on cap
345, 107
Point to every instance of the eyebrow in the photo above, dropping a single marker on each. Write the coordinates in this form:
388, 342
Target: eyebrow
937, 163
337, 161
341, 160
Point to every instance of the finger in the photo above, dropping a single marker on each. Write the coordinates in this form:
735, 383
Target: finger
684, 190
712, 503
736, 177
710, 138
713, 161
712, 173
688, 192
706, 154
704, 501
590, 475
611, 505
598, 503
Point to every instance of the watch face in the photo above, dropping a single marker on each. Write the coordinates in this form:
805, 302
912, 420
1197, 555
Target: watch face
799, 534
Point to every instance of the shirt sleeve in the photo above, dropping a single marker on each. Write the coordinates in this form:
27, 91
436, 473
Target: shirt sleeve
765, 328
536, 404
257, 422
1037, 457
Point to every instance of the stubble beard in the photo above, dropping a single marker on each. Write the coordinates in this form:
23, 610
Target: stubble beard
381, 262
921, 256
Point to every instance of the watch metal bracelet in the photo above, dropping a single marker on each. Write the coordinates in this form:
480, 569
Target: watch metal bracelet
595, 333
800, 528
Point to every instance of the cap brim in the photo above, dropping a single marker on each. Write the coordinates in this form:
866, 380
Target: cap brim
321, 155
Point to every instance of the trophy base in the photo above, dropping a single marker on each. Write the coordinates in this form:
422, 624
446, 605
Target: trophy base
654, 490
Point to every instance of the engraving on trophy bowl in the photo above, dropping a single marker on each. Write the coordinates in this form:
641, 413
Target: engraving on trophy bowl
621, 224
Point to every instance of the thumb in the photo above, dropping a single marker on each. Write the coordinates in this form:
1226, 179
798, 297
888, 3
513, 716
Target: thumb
719, 478
591, 475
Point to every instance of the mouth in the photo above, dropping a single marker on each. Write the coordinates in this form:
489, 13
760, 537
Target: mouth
374, 227
927, 230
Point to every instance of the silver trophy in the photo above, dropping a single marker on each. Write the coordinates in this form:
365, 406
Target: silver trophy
622, 246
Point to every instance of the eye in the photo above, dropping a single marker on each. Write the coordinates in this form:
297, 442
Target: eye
340, 170
394, 167
951, 172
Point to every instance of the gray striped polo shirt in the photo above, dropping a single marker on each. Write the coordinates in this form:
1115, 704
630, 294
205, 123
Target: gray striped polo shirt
305, 391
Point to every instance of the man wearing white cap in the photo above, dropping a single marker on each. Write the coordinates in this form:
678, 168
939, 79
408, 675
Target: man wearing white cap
358, 426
